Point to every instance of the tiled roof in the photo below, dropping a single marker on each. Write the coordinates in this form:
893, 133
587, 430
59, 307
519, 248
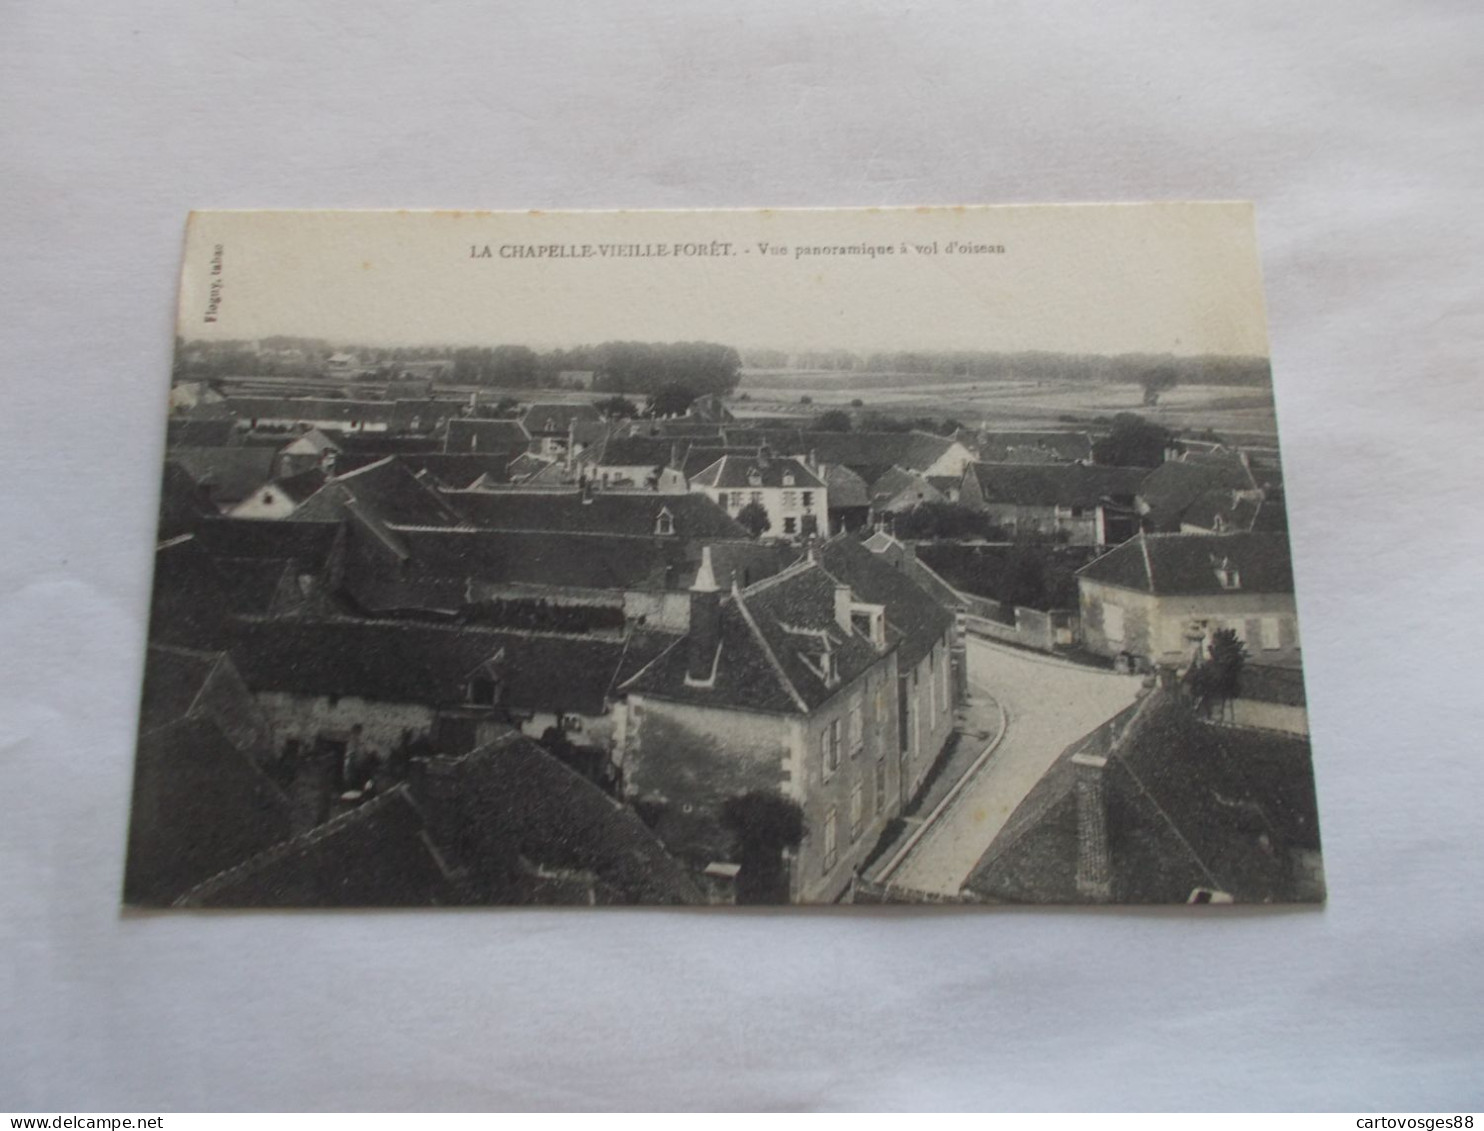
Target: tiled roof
698, 458
554, 559
771, 636
305, 543
526, 465
230, 474
173, 679
604, 512
313, 442
422, 414
357, 445
195, 591
896, 482
487, 436
512, 798
390, 569
455, 470
299, 487
386, 489
910, 609
199, 805
1168, 564
415, 662
195, 432
1033, 446
1221, 510
306, 410
637, 451
691, 429
782, 441
182, 502
846, 488
1188, 805
914, 450
1055, 484
553, 419
1176, 484
377, 854
731, 472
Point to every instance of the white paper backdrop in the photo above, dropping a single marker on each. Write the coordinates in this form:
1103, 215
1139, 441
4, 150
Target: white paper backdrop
1357, 129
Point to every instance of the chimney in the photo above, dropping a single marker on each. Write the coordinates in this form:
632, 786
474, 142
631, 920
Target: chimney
764, 454
1094, 866
842, 607
704, 634
675, 461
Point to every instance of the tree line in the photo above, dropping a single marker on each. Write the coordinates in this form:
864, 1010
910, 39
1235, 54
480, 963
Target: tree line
1133, 368
642, 368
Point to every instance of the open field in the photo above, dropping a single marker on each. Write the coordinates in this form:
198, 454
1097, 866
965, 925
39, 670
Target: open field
1225, 408
1236, 411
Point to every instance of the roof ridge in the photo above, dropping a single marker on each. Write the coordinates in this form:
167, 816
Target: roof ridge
772, 659
305, 839
1169, 821
364, 467
653, 660
787, 573
181, 650
420, 626
1148, 561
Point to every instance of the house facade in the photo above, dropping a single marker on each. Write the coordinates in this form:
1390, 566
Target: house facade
931, 676
1085, 504
788, 687
1159, 598
795, 498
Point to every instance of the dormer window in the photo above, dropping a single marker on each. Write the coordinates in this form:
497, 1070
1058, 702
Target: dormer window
664, 522
788, 478
1227, 575
823, 663
754, 478
870, 622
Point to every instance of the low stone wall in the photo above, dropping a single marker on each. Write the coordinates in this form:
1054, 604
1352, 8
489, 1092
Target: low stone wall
1029, 628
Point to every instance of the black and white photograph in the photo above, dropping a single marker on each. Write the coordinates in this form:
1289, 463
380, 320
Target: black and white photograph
890, 556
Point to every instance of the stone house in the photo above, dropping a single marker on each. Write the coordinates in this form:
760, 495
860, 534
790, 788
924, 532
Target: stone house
789, 686
1158, 598
1086, 504
795, 498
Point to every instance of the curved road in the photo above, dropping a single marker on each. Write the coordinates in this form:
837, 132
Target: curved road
1049, 704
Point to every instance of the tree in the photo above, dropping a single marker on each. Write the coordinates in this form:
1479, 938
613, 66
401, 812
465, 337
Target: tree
934, 520
762, 823
1134, 442
671, 400
1217, 677
617, 408
1156, 381
877, 422
835, 420
754, 517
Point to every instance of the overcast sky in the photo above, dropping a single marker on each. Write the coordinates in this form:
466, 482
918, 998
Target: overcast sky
1173, 278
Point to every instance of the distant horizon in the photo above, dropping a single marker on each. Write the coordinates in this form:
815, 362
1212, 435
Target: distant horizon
544, 347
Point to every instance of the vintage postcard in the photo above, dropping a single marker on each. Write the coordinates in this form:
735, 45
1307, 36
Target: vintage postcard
928, 555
